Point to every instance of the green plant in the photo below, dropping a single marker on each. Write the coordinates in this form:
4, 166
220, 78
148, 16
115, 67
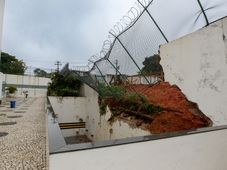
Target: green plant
63, 85
11, 65
150, 109
11, 89
133, 97
115, 92
102, 107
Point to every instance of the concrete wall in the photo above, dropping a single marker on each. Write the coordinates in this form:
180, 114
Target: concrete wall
1, 80
69, 109
197, 63
36, 86
204, 151
2, 6
117, 130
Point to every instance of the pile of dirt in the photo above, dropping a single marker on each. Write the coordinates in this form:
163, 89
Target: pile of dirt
178, 113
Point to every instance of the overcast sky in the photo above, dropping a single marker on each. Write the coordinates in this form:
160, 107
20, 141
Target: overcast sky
43, 31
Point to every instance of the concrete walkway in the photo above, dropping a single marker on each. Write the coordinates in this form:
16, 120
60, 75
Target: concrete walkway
25, 146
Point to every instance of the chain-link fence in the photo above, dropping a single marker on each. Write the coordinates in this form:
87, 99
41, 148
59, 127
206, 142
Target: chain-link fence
149, 24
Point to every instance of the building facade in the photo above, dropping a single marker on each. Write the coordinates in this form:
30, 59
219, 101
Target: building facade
2, 6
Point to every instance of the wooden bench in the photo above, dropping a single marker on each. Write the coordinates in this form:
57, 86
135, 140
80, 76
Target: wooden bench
73, 125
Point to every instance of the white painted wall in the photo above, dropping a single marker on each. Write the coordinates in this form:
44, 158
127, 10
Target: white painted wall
2, 7
1, 80
117, 130
36, 86
197, 63
204, 151
69, 109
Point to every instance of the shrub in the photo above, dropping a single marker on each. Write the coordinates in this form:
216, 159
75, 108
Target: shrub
63, 85
11, 89
115, 92
150, 109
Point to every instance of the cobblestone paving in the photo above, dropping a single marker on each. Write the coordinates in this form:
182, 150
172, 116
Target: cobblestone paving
25, 146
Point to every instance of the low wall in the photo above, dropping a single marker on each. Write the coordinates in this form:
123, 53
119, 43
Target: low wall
197, 63
36, 86
106, 130
203, 151
68, 110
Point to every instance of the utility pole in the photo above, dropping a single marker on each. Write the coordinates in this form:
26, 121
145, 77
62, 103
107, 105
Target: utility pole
58, 64
117, 67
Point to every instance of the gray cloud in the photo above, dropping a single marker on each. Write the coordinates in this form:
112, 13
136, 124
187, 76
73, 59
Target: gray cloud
43, 31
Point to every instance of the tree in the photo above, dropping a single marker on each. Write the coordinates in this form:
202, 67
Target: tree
40, 73
11, 65
63, 85
152, 65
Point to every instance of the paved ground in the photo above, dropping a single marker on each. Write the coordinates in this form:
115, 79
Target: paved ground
77, 139
25, 146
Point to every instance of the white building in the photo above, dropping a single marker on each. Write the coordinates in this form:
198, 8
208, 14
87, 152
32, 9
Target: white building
2, 6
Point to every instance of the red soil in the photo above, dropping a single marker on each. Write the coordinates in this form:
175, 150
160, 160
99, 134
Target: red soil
179, 113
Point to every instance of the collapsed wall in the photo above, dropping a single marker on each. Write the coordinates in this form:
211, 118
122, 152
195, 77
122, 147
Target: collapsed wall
86, 109
197, 64
100, 128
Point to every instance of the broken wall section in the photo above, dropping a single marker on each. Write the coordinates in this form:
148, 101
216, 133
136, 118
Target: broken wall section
197, 63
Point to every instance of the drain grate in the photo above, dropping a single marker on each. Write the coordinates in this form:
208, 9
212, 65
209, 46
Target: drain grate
23, 109
2, 134
2, 114
11, 117
6, 110
8, 123
20, 112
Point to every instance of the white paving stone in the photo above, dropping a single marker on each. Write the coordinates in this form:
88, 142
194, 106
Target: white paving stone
25, 147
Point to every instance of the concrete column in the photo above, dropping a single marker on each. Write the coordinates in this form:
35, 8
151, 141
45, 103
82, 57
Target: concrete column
1, 82
2, 6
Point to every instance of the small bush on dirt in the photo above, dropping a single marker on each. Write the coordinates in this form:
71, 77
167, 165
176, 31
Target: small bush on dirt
135, 98
120, 100
150, 109
115, 92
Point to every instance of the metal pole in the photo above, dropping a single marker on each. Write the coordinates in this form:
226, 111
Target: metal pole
92, 79
84, 81
101, 73
145, 8
113, 66
131, 58
204, 13
124, 77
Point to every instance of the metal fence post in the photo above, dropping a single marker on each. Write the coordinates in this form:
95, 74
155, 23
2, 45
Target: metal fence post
145, 8
131, 57
101, 74
204, 13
